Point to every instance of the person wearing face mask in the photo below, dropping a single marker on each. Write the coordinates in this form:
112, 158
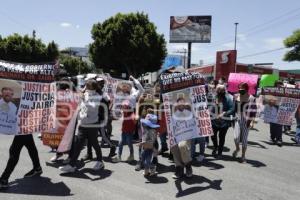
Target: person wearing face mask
245, 111
222, 112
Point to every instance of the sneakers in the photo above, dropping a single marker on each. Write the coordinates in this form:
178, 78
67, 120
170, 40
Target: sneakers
112, 152
34, 172
99, 165
178, 173
153, 171
67, 169
146, 172
130, 158
56, 157
67, 161
138, 166
214, 152
87, 157
279, 143
243, 160
200, 158
116, 159
3, 184
189, 170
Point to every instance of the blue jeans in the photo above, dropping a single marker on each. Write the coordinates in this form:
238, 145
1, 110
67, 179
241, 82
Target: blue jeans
126, 139
201, 141
147, 158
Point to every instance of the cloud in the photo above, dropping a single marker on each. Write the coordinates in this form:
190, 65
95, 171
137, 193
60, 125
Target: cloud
77, 26
65, 24
273, 43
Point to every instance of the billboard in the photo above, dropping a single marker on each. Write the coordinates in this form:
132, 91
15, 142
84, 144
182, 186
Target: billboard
196, 29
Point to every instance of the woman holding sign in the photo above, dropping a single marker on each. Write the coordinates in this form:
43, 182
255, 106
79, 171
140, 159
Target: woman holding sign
223, 111
246, 111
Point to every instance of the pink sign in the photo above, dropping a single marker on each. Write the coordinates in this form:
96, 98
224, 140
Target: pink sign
236, 78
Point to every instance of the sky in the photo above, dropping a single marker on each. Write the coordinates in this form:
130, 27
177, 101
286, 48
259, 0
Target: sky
263, 24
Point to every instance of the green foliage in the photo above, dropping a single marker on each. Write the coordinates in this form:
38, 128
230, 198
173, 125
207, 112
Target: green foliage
25, 49
74, 65
127, 43
293, 42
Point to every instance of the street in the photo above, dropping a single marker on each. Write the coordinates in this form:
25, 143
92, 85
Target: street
271, 173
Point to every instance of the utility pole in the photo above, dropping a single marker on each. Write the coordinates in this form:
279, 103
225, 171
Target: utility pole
235, 35
33, 33
235, 38
189, 55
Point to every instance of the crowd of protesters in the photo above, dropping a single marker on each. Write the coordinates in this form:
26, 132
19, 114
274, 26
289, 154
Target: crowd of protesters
144, 121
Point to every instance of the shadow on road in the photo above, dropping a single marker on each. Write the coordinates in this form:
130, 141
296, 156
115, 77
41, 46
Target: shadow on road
283, 144
83, 174
256, 144
156, 179
196, 182
38, 186
254, 163
209, 164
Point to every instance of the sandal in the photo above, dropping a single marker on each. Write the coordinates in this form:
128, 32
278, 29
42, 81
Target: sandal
234, 154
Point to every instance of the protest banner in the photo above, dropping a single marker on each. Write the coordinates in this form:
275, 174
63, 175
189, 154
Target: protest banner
110, 85
121, 92
280, 104
186, 112
27, 103
236, 78
66, 105
268, 80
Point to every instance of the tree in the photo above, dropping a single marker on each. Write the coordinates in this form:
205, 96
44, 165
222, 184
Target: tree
25, 49
127, 43
293, 41
74, 65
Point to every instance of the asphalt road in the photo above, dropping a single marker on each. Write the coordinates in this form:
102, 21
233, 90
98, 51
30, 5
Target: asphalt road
270, 173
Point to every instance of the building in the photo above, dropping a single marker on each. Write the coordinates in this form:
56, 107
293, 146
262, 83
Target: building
226, 64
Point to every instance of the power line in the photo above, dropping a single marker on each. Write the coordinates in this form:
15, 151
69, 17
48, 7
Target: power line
262, 27
16, 21
262, 52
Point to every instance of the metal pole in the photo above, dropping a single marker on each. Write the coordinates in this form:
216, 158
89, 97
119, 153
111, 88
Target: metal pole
189, 54
184, 58
235, 38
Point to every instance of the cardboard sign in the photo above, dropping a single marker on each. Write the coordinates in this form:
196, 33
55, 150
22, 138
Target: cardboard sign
280, 104
186, 112
236, 78
268, 80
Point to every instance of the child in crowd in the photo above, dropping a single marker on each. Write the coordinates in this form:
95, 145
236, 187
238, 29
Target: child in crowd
149, 126
128, 129
275, 129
